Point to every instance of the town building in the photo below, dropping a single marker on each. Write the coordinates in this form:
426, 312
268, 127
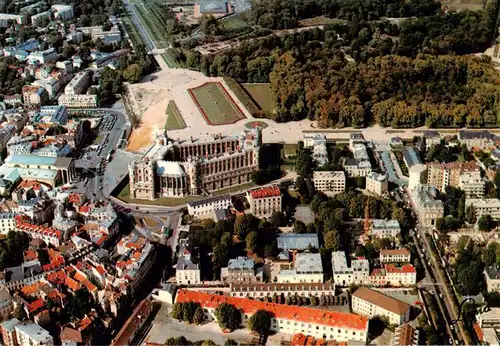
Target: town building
78, 101
442, 175
360, 165
286, 319
371, 303
113, 35
489, 319
51, 115
6, 305
431, 138
307, 268
472, 184
34, 95
13, 100
261, 290
9, 332
485, 206
135, 324
385, 228
300, 242
345, 275
7, 222
186, 271
43, 57
431, 209
377, 183
492, 275
6, 19
264, 201
203, 166
317, 144
411, 157
405, 275
406, 335
79, 84
482, 139
17, 277
50, 84
417, 175
37, 19
241, 270
329, 182
30, 334
63, 12
206, 208
49, 235
395, 256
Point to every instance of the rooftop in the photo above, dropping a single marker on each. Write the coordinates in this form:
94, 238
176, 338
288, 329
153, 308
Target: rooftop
241, 263
411, 157
389, 252
384, 224
263, 192
209, 200
291, 241
308, 263
376, 176
329, 175
381, 300
294, 313
34, 331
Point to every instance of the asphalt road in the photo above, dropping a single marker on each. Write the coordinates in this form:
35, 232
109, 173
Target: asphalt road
138, 24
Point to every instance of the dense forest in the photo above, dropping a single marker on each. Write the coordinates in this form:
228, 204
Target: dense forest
285, 14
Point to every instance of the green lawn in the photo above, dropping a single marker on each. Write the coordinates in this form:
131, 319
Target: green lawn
124, 196
235, 23
132, 31
174, 118
215, 105
261, 94
242, 95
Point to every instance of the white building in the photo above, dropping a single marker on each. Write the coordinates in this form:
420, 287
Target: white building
371, 303
63, 12
31, 334
7, 222
472, 184
317, 144
431, 138
264, 201
40, 16
291, 320
417, 175
187, 272
385, 228
329, 182
43, 57
78, 101
489, 319
405, 275
6, 18
307, 268
395, 256
345, 275
492, 275
50, 84
79, 84
261, 290
424, 196
377, 183
97, 32
485, 206
205, 208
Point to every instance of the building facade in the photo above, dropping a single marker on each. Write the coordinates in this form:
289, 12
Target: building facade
344, 274
205, 208
385, 228
377, 183
291, 320
442, 175
260, 290
485, 206
431, 209
371, 303
395, 256
308, 268
241, 270
472, 184
190, 168
329, 182
264, 201
187, 272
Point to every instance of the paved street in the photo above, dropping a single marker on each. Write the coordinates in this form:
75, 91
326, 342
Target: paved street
138, 24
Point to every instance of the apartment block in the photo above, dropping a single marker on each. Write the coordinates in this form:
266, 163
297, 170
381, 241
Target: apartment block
371, 303
260, 290
395, 256
405, 275
79, 101
241, 270
34, 95
329, 182
345, 275
472, 184
79, 84
265, 200
476, 139
291, 320
377, 183
431, 138
425, 198
385, 228
442, 175
406, 335
205, 208
308, 268
31, 334
485, 206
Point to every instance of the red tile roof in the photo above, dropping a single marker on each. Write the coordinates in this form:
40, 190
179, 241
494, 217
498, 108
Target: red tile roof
57, 278
268, 191
388, 252
299, 339
296, 313
30, 255
100, 270
36, 305
407, 268
23, 225
72, 284
70, 334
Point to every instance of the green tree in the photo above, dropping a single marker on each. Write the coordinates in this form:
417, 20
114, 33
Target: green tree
208, 343
271, 251
244, 224
230, 342
490, 254
277, 219
485, 223
470, 279
260, 322
177, 311
209, 25
228, 317
305, 164
251, 241
299, 227
132, 73
199, 315
470, 214
333, 241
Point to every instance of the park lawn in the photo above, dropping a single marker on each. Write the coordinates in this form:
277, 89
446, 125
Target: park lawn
215, 105
235, 23
124, 196
174, 117
242, 95
150, 222
262, 95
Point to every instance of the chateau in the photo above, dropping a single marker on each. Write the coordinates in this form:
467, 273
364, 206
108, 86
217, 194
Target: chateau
175, 169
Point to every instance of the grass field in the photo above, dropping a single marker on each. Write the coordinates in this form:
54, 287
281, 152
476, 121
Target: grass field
174, 118
242, 95
235, 23
262, 95
131, 30
461, 5
150, 15
215, 104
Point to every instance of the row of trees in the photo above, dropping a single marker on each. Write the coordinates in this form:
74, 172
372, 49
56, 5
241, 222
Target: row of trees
286, 14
